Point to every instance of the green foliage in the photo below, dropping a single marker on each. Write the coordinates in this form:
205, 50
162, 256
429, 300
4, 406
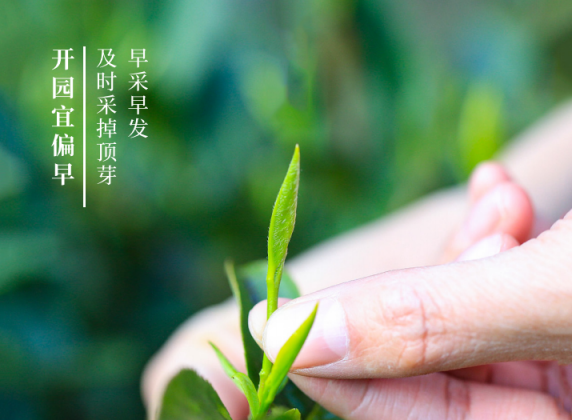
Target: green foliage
480, 126
252, 280
252, 352
188, 396
248, 291
284, 361
242, 381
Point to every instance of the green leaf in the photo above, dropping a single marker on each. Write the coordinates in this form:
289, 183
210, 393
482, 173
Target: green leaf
242, 381
252, 278
252, 352
282, 225
190, 397
284, 361
281, 413
480, 126
279, 234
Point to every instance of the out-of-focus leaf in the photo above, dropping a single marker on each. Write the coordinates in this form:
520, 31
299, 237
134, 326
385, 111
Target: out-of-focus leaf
281, 414
13, 175
263, 85
480, 127
253, 276
285, 359
24, 254
188, 396
242, 381
252, 352
185, 64
320, 413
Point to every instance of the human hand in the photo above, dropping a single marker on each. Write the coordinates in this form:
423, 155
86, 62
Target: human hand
516, 306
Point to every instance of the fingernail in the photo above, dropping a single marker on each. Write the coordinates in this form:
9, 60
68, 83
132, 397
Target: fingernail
257, 321
482, 219
328, 338
486, 247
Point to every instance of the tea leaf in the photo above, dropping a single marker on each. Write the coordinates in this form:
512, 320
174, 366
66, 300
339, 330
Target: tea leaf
279, 234
242, 381
284, 361
281, 414
252, 352
188, 396
281, 227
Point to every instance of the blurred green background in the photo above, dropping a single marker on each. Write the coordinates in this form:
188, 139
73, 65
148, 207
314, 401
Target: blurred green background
388, 99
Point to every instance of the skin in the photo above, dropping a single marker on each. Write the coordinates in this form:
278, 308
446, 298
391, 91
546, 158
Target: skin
471, 327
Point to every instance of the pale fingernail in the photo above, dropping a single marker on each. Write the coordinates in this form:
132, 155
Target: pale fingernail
486, 247
257, 321
482, 219
328, 338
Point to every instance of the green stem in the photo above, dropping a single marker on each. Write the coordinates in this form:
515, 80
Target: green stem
273, 278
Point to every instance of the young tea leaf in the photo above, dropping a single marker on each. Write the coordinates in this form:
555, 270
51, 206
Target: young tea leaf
279, 234
252, 352
188, 396
284, 361
282, 225
242, 381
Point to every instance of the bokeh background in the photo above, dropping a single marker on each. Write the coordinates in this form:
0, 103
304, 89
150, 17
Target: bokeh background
388, 99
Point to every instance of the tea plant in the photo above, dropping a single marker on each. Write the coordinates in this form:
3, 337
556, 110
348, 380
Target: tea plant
269, 394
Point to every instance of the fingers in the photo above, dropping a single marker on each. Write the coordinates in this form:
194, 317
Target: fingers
430, 397
498, 206
514, 306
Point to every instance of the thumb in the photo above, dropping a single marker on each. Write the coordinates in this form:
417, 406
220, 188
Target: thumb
514, 306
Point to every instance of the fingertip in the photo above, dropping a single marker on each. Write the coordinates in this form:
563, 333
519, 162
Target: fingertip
516, 211
505, 209
257, 321
485, 177
508, 242
489, 246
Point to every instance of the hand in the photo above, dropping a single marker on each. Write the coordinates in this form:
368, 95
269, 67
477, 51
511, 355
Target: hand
372, 333
410, 237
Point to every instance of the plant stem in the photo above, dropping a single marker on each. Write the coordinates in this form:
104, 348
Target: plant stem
273, 277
